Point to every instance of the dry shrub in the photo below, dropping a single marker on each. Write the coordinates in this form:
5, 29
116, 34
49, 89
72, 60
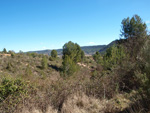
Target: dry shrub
102, 86
35, 110
99, 68
60, 90
80, 103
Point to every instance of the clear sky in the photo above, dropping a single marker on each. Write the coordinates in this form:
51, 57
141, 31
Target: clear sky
47, 24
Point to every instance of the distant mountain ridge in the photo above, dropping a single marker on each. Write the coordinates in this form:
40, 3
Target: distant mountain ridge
88, 50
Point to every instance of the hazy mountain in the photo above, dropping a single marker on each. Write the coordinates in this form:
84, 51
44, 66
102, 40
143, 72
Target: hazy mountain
89, 50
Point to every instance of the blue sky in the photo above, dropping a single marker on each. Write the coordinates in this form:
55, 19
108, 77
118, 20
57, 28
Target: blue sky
47, 24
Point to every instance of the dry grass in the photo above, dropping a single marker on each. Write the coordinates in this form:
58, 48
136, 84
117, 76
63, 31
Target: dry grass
34, 110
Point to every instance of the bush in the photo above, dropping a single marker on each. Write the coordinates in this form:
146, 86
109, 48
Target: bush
51, 58
54, 54
44, 63
11, 87
114, 56
144, 63
12, 93
97, 57
28, 71
9, 66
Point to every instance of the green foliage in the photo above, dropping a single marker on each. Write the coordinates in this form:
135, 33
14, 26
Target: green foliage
144, 62
69, 66
12, 54
13, 93
32, 54
133, 27
11, 87
54, 54
87, 50
72, 54
72, 50
82, 55
51, 58
114, 56
134, 31
97, 57
4, 50
78, 53
44, 62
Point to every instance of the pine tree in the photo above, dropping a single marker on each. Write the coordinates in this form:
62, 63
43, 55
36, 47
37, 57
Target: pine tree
4, 50
54, 54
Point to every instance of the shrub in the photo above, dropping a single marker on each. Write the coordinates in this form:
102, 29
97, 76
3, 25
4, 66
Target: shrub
9, 66
11, 87
54, 54
114, 56
28, 71
51, 58
12, 93
97, 57
44, 63
144, 62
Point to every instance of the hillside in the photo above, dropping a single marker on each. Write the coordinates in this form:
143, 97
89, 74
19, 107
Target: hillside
106, 47
88, 50
32, 89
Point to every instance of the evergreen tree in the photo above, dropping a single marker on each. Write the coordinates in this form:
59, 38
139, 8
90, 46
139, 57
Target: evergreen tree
54, 54
114, 56
72, 54
4, 50
133, 27
97, 57
72, 50
134, 31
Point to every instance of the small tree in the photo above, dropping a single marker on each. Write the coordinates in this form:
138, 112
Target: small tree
4, 50
44, 62
114, 56
72, 54
72, 50
54, 54
97, 57
134, 31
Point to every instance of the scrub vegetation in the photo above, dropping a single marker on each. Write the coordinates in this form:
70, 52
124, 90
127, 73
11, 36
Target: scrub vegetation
115, 81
